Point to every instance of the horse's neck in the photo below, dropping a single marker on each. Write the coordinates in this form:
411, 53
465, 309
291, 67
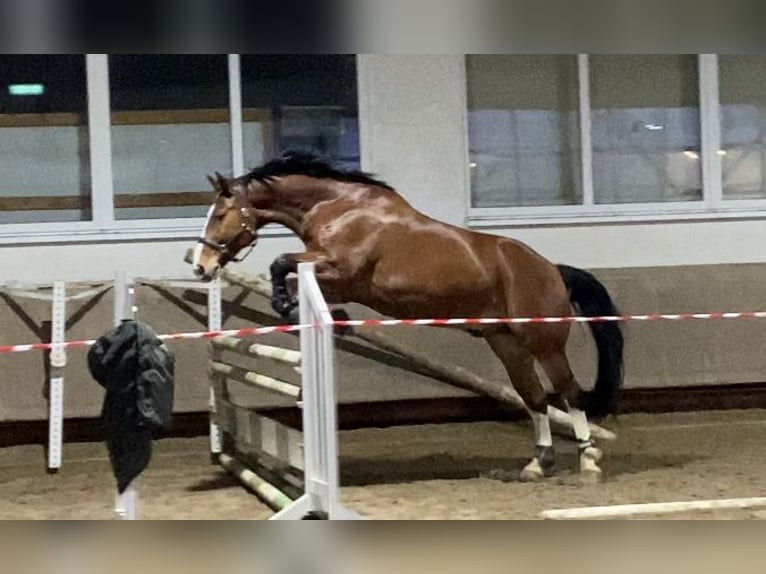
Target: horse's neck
291, 207
287, 215
291, 222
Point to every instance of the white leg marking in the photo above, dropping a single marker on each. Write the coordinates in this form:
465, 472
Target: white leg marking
197, 255
198, 248
542, 429
580, 425
589, 454
533, 472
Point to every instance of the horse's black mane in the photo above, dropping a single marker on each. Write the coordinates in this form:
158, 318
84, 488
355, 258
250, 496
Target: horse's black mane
299, 163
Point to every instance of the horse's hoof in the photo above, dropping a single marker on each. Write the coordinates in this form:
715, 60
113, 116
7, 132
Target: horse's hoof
293, 316
342, 330
533, 472
593, 453
591, 476
284, 307
546, 456
289, 312
590, 473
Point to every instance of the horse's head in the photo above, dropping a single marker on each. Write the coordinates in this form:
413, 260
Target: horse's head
232, 225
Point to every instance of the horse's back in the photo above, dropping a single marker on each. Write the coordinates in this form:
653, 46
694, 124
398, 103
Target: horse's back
406, 257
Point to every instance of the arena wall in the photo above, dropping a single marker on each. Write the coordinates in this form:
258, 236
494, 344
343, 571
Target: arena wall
412, 121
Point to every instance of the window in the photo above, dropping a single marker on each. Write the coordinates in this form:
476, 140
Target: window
646, 128
743, 125
302, 102
613, 135
170, 128
524, 133
111, 146
44, 153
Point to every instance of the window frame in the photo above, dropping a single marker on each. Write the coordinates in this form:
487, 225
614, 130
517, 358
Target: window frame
104, 226
712, 207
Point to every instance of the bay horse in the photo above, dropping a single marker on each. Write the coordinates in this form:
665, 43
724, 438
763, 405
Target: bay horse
371, 247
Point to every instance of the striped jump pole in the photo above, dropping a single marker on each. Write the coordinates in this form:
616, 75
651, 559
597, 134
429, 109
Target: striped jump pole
254, 379
258, 350
258, 441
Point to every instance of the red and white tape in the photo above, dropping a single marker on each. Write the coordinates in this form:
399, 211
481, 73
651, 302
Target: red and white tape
540, 320
6, 349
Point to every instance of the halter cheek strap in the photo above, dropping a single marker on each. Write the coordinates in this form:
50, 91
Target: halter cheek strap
247, 226
212, 245
248, 221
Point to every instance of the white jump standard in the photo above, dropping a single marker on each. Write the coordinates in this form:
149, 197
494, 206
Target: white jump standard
304, 464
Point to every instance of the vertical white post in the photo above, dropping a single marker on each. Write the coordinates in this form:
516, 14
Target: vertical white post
100, 136
710, 128
235, 111
586, 130
320, 426
58, 360
365, 79
316, 483
126, 503
215, 323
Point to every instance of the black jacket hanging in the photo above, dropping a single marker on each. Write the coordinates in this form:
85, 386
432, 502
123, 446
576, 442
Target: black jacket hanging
137, 371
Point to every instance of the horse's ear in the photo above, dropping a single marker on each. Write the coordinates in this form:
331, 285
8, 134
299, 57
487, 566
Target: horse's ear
223, 185
213, 183
220, 184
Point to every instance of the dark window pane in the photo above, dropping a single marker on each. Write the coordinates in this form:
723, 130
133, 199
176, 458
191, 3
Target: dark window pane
170, 128
44, 152
300, 102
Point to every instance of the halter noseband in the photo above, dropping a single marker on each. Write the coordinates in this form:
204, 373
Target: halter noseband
224, 248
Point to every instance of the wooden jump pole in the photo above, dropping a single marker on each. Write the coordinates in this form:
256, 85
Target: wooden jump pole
278, 354
265, 491
255, 379
455, 376
464, 379
652, 508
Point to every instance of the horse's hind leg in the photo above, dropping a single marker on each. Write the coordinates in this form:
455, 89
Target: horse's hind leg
556, 366
519, 363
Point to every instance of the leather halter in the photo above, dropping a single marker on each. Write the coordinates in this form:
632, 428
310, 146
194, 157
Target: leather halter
245, 215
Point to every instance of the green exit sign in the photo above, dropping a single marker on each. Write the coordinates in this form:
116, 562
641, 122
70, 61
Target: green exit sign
26, 89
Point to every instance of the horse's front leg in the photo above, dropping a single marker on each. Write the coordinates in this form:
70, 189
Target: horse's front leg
282, 302
285, 304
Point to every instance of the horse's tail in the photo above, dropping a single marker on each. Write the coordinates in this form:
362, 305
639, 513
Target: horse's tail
592, 299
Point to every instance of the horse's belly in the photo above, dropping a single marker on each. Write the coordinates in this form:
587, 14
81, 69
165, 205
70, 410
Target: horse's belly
429, 301
428, 270
413, 275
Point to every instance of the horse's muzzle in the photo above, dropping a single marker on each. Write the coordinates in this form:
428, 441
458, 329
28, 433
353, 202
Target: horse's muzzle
204, 275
